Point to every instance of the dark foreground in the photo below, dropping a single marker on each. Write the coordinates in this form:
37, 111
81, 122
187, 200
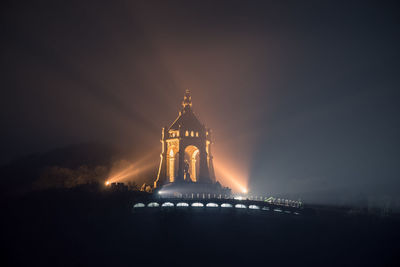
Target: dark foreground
74, 228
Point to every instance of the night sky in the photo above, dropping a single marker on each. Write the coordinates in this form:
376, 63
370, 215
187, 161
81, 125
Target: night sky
302, 96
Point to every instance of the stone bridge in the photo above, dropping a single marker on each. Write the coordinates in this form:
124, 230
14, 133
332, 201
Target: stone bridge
163, 203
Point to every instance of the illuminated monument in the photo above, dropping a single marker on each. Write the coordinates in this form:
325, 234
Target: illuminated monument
186, 156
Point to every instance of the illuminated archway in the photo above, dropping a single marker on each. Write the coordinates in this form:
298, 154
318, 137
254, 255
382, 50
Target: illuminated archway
172, 161
192, 158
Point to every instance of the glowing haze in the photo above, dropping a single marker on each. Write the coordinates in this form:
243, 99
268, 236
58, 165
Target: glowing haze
302, 98
126, 171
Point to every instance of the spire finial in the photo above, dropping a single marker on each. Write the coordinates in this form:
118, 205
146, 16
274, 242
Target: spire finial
187, 99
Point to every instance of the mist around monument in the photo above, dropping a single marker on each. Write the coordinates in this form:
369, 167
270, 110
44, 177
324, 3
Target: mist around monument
200, 133
67, 214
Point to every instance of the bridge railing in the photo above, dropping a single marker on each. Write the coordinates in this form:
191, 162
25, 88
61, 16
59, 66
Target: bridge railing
209, 196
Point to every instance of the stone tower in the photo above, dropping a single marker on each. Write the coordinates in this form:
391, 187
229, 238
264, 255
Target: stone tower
186, 150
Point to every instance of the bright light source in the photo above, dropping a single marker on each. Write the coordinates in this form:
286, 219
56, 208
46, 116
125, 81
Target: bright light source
232, 178
125, 170
167, 204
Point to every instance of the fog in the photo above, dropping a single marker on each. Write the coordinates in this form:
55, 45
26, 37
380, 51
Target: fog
302, 98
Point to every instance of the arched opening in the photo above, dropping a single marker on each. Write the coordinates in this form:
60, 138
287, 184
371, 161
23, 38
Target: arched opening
172, 163
153, 205
139, 205
192, 163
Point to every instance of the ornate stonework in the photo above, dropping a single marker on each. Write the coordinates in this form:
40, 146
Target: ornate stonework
186, 150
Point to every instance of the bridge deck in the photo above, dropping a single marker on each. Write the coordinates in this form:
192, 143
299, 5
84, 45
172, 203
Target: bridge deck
213, 203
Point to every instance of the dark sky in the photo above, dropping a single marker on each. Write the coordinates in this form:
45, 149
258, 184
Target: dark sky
302, 95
